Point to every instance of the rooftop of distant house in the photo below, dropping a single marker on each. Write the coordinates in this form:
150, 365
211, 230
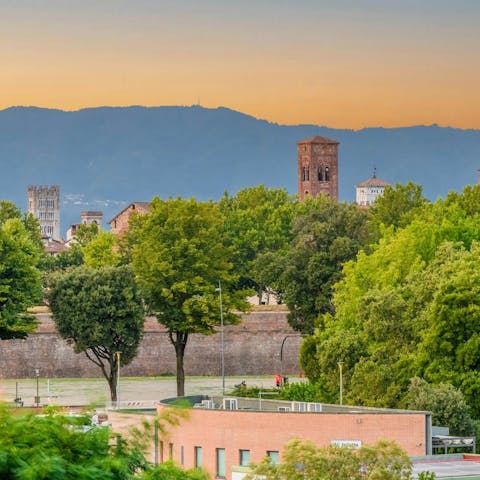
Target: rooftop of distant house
319, 140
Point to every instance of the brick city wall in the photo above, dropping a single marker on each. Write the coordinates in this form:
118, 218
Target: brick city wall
251, 348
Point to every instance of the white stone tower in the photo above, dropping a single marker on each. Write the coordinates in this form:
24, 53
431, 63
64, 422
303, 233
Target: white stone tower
43, 202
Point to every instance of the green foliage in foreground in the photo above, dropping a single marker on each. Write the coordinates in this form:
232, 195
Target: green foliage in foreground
58, 448
303, 460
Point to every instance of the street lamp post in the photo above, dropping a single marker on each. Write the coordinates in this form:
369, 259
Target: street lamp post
283, 344
37, 397
340, 368
219, 290
117, 356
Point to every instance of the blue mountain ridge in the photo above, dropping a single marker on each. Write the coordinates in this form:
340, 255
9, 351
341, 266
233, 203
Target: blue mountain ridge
104, 158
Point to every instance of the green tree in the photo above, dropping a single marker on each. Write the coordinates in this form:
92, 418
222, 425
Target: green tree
101, 251
303, 460
20, 279
75, 256
101, 313
398, 205
180, 257
9, 210
58, 447
386, 326
447, 404
326, 234
257, 221
453, 332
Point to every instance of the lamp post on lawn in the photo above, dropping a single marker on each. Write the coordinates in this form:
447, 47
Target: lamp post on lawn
219, 290
117, 356
340, 368
37, 397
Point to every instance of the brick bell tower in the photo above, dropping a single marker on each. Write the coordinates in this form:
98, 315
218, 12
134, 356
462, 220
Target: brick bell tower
317, 168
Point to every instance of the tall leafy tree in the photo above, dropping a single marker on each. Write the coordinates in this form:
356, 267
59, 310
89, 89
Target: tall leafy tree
101, 251
257, 221
447, 404
398, 205
101, 313
411, 295
180, 256
453, 331
20, 279
326, 234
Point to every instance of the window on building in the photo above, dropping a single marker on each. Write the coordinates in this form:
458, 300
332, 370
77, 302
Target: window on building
182, 455
308, 173
244, 458
198, 457
274, 456
161, 452
220, 462
304, 175
327, 174
319, 174
170, 451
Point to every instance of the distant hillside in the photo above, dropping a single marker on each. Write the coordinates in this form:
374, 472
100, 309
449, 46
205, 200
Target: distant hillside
105, 158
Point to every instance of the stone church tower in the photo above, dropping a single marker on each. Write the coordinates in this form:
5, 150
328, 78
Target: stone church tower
317, 167
43, 202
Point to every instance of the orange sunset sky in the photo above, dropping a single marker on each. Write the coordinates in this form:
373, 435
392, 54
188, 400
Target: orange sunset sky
343, 64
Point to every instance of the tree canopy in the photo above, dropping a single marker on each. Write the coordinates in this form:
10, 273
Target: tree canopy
405, 307
101, 313
20, 279
180, 255
303, 460
325, 234
257, 221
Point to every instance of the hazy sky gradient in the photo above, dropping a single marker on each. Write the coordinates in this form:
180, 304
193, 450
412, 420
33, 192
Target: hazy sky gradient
350, 64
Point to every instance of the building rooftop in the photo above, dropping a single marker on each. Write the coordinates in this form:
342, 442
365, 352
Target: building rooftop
373, 182
262, 404
137, 206
318, 140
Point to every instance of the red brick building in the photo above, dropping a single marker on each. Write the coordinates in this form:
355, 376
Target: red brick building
242, 430
317, 167
119, 223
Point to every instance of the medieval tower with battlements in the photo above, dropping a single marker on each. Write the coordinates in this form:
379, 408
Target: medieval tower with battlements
317, 168
43, 202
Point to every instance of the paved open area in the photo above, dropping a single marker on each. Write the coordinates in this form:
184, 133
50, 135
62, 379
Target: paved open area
87, 391
454, 469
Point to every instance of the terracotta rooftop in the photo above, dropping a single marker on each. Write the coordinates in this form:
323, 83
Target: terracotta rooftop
373, 182
318, 139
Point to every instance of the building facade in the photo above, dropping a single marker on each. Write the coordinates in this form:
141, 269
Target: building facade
119, 223
243, 430
89, 217
317, 171
368, 191
43, 202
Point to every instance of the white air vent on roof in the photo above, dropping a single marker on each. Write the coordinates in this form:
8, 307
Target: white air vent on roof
230, 404
314, 407
299, 406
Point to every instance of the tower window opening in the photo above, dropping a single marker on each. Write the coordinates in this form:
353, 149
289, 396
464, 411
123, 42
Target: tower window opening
319, 174
327, 174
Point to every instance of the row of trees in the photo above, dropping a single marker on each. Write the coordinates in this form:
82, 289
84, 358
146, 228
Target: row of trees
391, 291
407, 307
